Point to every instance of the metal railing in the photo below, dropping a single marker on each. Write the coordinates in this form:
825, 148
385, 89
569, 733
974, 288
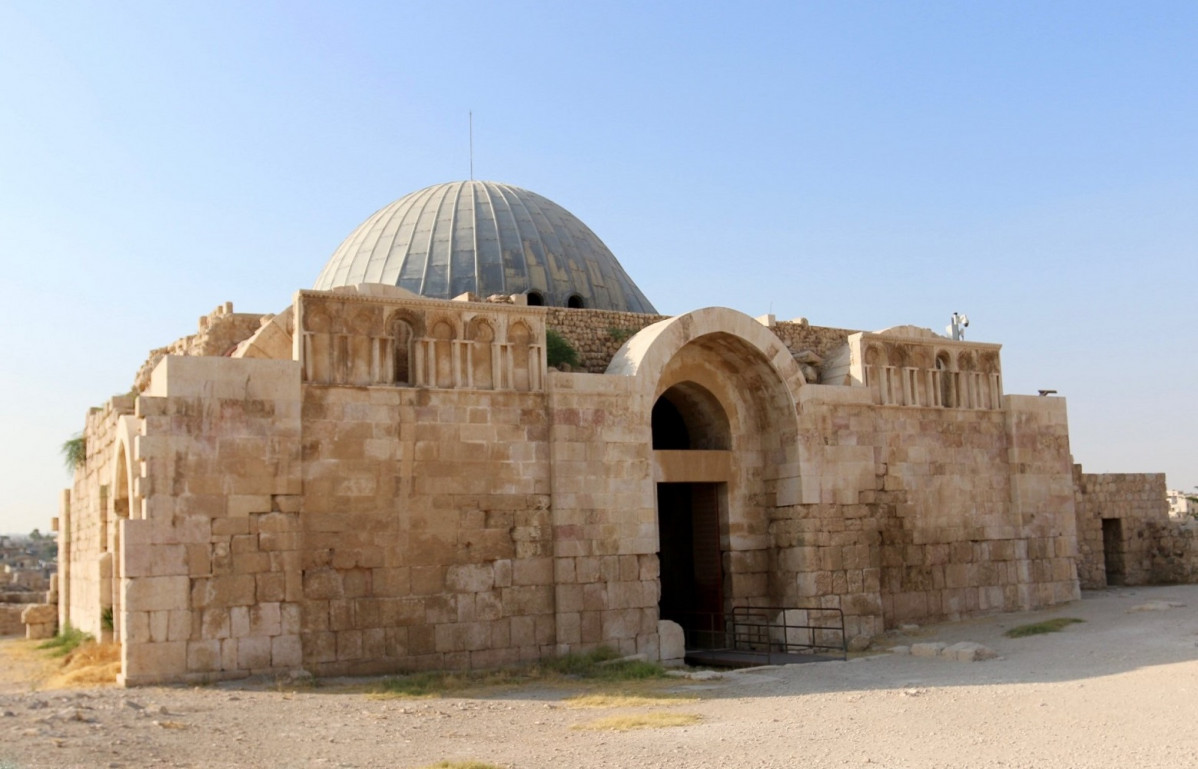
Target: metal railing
765, 634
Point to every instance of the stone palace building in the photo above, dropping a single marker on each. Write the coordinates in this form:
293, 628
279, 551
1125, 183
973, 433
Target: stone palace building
388, 475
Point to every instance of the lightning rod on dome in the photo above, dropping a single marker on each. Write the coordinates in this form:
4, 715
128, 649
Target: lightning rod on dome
471, 145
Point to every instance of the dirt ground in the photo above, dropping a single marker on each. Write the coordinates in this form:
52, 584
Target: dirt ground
1119, 690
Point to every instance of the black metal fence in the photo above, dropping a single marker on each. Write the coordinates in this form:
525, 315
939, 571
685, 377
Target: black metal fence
764, 635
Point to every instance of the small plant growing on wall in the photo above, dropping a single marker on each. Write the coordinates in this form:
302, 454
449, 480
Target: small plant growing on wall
559, 351
74, 452
619, 334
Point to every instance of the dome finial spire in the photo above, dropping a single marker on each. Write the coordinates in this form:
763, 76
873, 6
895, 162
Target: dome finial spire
471, 145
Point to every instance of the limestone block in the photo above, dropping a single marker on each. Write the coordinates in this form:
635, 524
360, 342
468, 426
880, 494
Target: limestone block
532, 571
156, 593
286, 651
469, 578
150, 662
253, 653
672, 643
39, 613
203, 656
968, 651
928, 649
231, 590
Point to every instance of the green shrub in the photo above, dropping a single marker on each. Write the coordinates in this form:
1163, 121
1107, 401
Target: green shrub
74, 452
558, 351
1040, 628
67, 640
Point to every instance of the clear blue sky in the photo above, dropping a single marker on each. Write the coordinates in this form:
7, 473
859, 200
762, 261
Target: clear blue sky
864, 165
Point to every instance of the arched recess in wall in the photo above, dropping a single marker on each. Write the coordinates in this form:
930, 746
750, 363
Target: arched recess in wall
966, 395
947, 385
482, 338
110, 609
443, 335
519, 337
403, 329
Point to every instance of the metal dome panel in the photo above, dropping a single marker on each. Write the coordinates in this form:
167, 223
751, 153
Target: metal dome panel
488, 238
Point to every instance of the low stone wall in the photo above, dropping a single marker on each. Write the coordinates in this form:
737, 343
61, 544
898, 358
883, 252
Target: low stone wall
1137, 502
1174, 553
799, 336
10, 619
597, 334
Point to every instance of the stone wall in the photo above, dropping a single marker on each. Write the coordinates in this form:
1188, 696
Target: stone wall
89, 537
604, 517
596, 334
210, 560
799, 336
1138, 515
10, 617
427, 540
218, 334
1174, 554
912, 516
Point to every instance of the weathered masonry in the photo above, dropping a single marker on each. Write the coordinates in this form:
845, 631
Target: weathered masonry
376, 479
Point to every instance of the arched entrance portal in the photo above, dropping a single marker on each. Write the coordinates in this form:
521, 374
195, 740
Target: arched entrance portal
691, 439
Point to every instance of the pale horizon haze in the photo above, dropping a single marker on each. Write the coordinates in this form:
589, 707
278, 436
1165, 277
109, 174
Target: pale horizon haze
864, 165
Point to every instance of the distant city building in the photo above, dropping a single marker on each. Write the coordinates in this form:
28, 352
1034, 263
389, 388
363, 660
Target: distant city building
1180, 505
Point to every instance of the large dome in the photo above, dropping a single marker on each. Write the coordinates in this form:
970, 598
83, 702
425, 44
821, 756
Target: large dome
488, 238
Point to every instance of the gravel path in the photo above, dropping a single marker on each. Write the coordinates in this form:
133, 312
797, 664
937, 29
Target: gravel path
1118, 690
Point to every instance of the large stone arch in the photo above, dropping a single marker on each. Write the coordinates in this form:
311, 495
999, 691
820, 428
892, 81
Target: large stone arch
648, 351
714, 366
123, 504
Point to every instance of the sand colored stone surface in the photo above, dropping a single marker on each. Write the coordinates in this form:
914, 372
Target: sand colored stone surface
1113, 691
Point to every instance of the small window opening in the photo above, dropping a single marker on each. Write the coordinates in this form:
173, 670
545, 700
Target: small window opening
535, 299
575, 301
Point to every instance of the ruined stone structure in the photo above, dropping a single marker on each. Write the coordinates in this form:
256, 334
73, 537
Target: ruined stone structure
372, 480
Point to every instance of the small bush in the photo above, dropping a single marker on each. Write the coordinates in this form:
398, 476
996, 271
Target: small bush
67, 640
1040, 628
74, 452
601, 665
559, 351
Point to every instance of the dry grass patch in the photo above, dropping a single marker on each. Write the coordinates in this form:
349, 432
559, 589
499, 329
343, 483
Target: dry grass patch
90, 664
600, 668
627, 700
640, 721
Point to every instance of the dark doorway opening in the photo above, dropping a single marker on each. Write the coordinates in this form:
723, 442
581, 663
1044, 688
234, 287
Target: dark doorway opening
1112, 550
692, 575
